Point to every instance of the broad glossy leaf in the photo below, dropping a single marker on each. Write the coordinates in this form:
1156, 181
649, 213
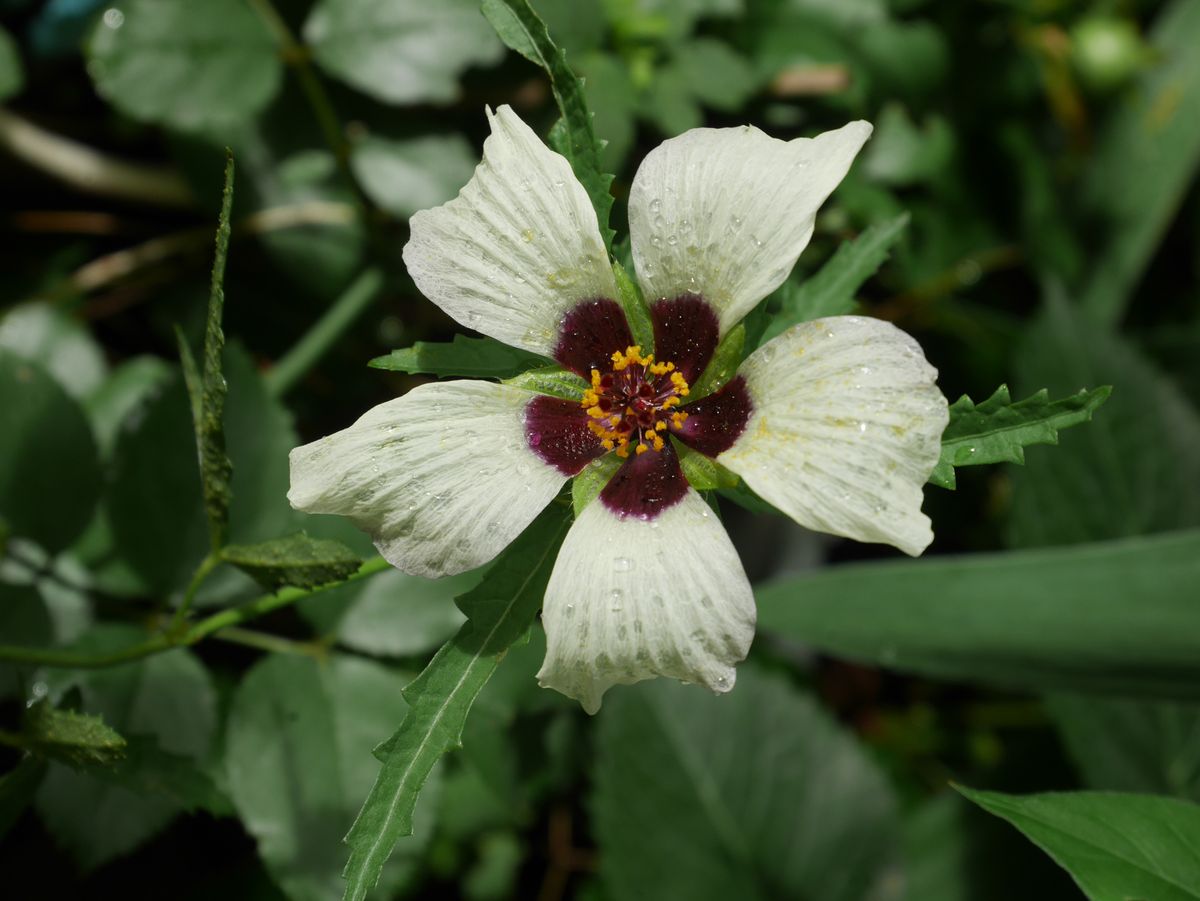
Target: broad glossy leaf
998, 430
414, 174
1053, 619
1122, 474
1143, 163
749, 795
49, 471
392, 614
296, 560
831, 291
521, 29
126, 388
1116, 846
1127, 744
473, 357
298, 758
499, 611
59, 343
168, 697
185, 64
401, 51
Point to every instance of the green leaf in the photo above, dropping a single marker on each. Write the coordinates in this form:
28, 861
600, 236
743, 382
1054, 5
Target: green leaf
831, 291
298, 757
127, 388
12, 74
401, 51
611, 97
552, 380
629, 295
149, 770
901, 153
76, 739
154, 502
1143, 163
59, 343
17, 788
472, 357
590, 481
403, 177
998, 431
188, 65
723, 365
49, 471
1056, 619
168, 697
499, 611
704, 473
521, 29
1122, 474
716, 74
1117, 847
295, 560
207, 392
24, 622
727, 788
392, 614
1122, 744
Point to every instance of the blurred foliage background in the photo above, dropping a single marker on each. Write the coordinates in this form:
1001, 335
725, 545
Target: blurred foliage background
1045, 153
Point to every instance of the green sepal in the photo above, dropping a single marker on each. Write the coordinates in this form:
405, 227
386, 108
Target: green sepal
998, 430
552, 380
629, 296
470, 357
586, 486
723, 365
704, 473
296, 560
76, 739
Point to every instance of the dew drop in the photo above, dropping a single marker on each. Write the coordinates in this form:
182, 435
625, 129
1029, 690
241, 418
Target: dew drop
114, 18
623, 564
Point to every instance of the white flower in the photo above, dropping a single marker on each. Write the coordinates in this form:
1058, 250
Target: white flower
835, 422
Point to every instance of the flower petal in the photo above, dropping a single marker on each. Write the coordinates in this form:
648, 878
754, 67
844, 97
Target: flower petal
845, 429
557, 431
442, 478
685, 333
725, 212
519, 246
632, 598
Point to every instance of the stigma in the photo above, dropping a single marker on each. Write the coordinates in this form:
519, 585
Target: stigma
633, 404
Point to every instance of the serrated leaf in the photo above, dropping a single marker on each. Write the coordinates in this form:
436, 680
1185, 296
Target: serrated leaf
196, 53
637, 313
1116, 846
207, 391
587, 485
498, 611
723, 365
296, 560
552, 380
704, 473
400, 51
1047, 620
727, 788
522, 30
76, 739
831, 291
484, 358
998, 430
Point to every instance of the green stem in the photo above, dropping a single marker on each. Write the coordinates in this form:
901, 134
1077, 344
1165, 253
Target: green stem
163, 642
272, 644
207, 565
296, 55
324, 333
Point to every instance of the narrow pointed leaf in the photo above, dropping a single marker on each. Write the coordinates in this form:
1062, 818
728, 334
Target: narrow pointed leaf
998, 430
1046, 620
831, 291
522, 30
723, 365
296, 560
552, 380
499, 611
484, 358
591, 480
1116, 846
